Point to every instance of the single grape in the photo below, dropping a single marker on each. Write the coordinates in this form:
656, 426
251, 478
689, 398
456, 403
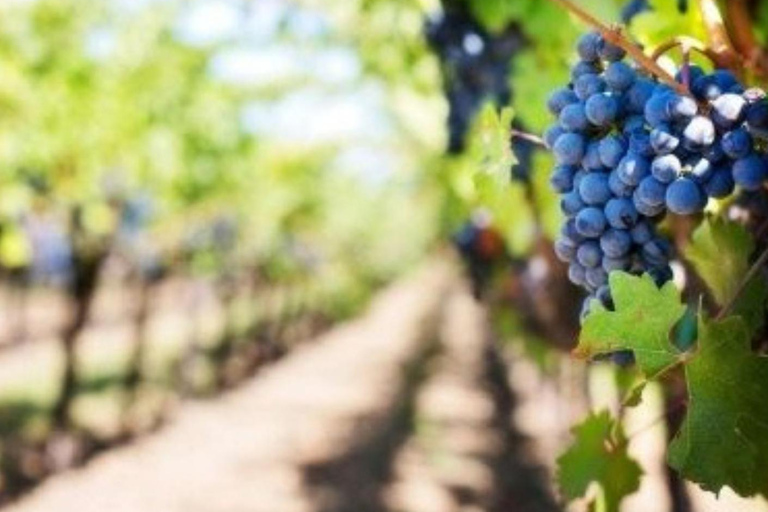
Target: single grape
571, 203
589, 254
574, 118
611, 150
684, 197
642, 232
565, 249
749, 173
562, 178
569, 231
590, 222
737, 143
633, 168
588, 47
569, 148
728, 110
594, 190
615, 243
757, 116
666, 168
657, 108
621, 213
596, 277
577, 274
602, 109
650, 191
699, 133
720, 185
619, 76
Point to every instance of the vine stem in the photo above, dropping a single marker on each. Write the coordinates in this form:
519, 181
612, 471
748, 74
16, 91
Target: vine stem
760, 263
686, 45
614, 36
530, 137
720, 41
739, 22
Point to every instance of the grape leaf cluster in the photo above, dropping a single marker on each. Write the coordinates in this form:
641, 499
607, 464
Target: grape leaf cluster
629, 149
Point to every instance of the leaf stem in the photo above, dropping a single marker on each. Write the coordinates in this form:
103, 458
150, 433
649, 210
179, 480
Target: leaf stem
614, 36
759, 264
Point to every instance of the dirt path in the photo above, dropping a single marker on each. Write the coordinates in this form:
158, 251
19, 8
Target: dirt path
255, 448
466, 454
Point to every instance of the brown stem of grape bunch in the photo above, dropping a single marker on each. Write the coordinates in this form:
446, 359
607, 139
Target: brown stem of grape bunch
720, 44
739, 23
615, 36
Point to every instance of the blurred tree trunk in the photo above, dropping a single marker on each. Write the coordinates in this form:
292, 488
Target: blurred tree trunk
227, 291
87, 266
146, 287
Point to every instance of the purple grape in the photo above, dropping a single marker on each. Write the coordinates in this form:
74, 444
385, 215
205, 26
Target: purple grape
611, 150
684, 197
594, 190
619, 76
602, 109
590, 222
666, 168
621, 213
749, 173
737, 143
569, 148
574, 118
616, 243
633, 168
589, 254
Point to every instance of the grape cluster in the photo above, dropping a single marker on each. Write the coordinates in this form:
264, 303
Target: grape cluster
629, 149
475, 66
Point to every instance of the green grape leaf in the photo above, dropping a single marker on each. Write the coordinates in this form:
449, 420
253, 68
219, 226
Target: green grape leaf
663, 22
720, 252
724, 438
598, 455
642, 322
493, 14
491, 144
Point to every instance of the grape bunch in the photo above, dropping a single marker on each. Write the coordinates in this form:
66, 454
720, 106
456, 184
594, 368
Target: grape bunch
629, 149
475, 65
